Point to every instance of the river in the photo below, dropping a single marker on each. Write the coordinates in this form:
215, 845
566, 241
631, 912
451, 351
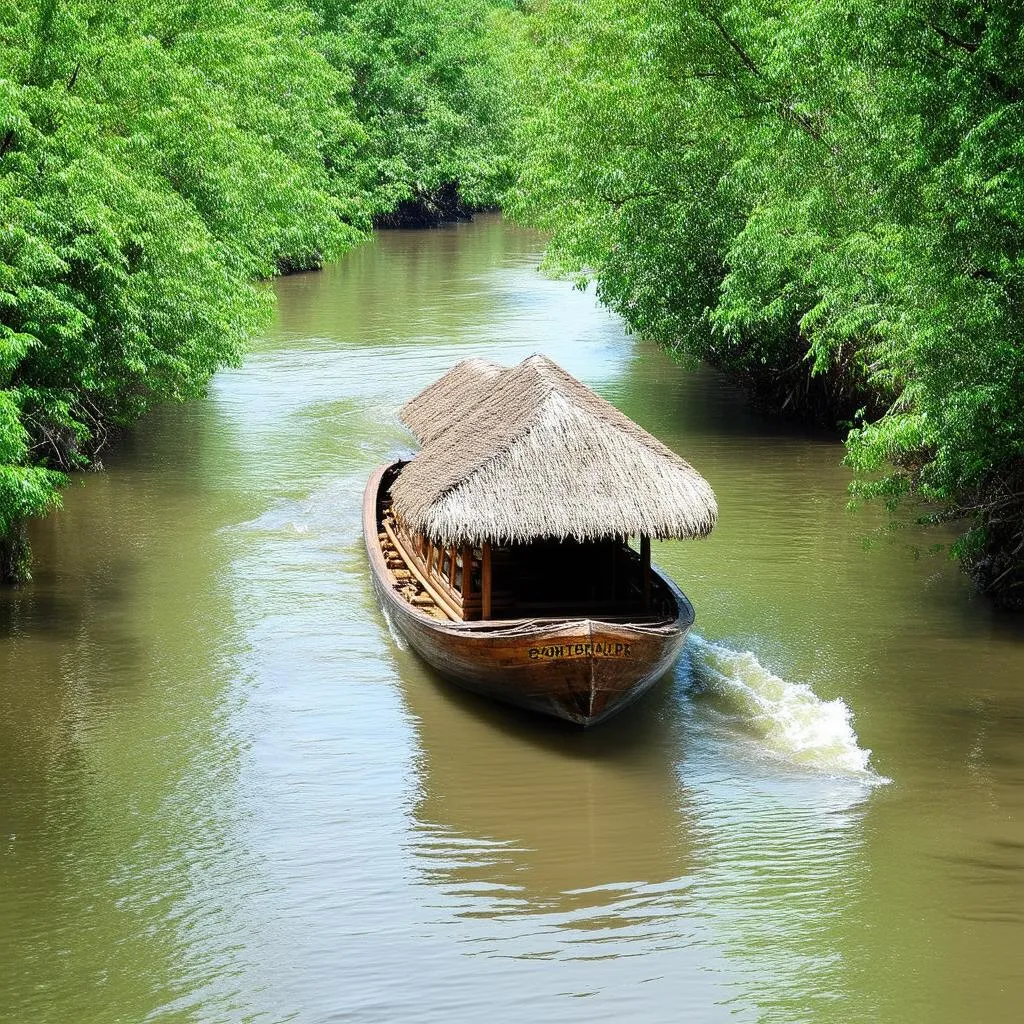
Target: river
228, 793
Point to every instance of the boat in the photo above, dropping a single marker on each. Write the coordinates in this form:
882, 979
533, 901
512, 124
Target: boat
501, 551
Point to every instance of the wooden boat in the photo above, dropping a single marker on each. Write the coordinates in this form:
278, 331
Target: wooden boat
500, 551
582, 669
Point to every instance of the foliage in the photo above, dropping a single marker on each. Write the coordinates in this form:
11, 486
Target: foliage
425, 87
824, 197
157, 157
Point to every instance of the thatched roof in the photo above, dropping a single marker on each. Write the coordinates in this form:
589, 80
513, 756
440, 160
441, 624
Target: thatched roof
541, 455
441, 405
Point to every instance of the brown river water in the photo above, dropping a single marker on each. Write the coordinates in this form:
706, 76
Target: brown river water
229, 793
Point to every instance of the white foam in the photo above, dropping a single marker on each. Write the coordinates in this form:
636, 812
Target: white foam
789, 719
400, 641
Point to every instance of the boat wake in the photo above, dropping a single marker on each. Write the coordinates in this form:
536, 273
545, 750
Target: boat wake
396, 633
788, 719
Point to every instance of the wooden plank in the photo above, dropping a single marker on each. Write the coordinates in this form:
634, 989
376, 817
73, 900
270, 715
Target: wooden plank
434, 570
645, 562
467, 572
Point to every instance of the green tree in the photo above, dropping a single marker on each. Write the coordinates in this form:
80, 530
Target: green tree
426, 88
157, 158
154, 159
822, 197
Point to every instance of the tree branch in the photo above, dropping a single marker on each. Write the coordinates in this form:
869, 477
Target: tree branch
785, 108
951, 40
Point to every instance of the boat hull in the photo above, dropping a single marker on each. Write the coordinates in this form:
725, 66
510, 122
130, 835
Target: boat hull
580, 670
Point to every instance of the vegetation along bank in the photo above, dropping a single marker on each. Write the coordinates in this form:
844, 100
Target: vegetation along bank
823, 199
157, 158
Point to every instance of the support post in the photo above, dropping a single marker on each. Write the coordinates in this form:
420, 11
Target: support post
645, 564
485, 581
451, 567
467, 571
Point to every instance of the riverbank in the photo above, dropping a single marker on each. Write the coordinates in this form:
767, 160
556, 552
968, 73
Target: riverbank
129, 265
83, 451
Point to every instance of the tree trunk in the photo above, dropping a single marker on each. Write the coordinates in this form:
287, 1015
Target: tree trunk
15, 556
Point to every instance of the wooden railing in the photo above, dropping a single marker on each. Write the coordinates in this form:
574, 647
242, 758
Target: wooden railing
443, 572
459, 580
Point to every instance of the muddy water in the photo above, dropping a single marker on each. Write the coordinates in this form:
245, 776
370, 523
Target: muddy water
228, 793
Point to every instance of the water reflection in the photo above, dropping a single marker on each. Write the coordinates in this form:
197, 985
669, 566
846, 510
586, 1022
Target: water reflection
114, 675
516, 816
671, 837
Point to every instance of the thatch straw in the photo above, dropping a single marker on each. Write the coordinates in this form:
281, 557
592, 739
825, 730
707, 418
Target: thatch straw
544, 456
445, 402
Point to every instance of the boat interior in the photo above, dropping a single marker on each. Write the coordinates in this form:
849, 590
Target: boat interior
545, 579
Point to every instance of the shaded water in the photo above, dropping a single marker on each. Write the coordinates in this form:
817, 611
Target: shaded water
227, 792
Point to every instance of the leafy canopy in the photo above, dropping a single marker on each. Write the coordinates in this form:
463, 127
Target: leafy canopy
158, 157
823, 197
